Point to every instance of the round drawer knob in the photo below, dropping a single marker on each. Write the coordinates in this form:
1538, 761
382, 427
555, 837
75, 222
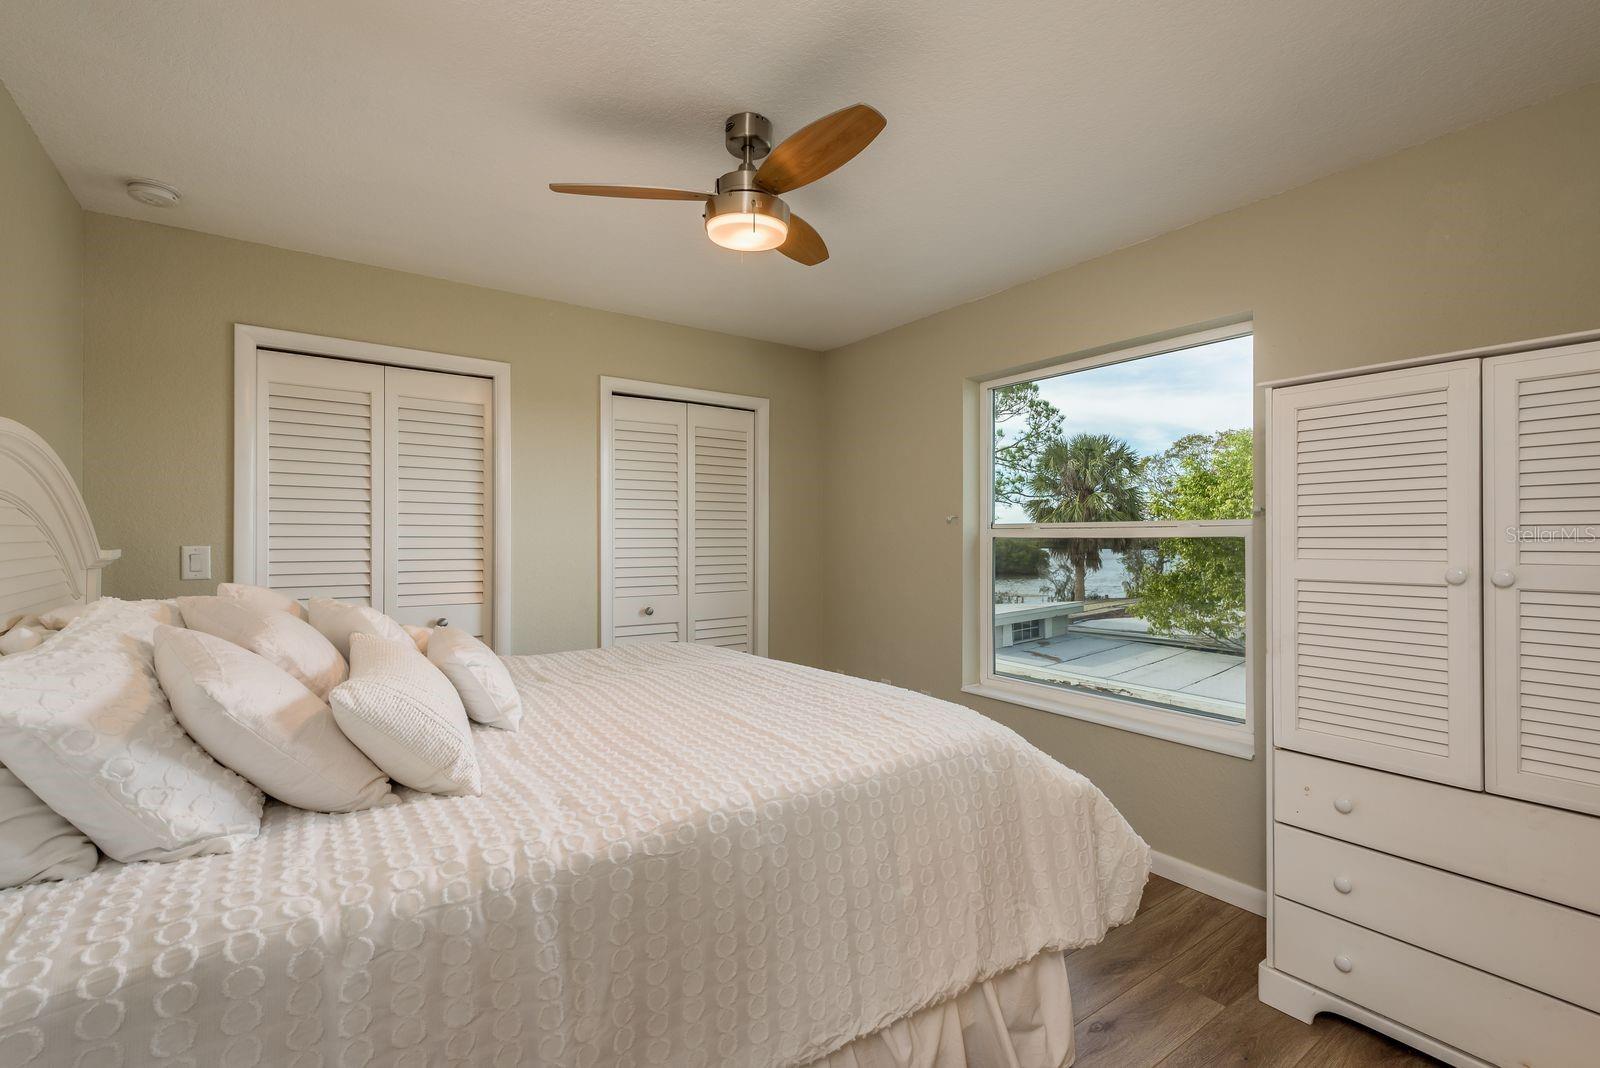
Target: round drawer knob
1344, 805
649, 611
1343, 963
1342, 884
442, 622
1503, 578
1456, 576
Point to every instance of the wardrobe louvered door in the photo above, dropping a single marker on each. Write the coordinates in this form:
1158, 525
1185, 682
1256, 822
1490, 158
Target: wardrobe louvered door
320, 435
1542, 551
438, 526
1375, 525
721, 526
649, 527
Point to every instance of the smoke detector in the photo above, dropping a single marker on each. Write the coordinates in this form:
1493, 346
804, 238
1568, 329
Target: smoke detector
156, 194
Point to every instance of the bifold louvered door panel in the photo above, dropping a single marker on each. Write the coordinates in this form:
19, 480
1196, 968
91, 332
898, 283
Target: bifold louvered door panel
438, 473
1375, 530
319, 427
649, 535
1542, 551
721, 526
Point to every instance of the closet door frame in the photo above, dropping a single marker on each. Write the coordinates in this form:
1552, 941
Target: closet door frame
249, 341
761, 406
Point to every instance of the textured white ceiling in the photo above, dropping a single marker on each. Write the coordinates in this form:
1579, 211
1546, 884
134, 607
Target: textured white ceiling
1022, 137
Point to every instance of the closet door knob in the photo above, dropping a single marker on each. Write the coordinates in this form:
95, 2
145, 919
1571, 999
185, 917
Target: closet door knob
1343, 963
1503, 578
1341, 883
649, 611
1343, 805
1456, 576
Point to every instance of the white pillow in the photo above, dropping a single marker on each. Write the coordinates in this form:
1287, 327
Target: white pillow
404, 714
58, 618
21, 638
85, 726
259, 597
338, 620
263, 723
478, 675
290, 643
37, 845
419, 635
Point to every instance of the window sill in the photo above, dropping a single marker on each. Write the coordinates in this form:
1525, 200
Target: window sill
1228, 739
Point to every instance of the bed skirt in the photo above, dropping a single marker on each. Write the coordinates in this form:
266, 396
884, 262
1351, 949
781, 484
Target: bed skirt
1019, 1019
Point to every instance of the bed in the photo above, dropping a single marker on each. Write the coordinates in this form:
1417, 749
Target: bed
687, 856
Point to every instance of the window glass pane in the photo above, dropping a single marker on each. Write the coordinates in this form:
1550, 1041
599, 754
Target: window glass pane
1161, 437
1158, 620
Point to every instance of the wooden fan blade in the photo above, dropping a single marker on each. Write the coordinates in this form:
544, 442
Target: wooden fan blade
629, 192
818, 150
803, 245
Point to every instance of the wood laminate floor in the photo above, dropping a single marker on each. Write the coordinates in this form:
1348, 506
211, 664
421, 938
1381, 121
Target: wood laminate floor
1177, 988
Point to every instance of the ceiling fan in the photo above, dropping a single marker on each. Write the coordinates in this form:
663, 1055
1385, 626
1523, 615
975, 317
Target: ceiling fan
747, 213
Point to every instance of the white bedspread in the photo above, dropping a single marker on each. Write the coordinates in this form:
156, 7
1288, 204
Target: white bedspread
686, 857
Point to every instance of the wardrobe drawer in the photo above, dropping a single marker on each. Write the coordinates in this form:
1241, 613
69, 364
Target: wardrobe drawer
1548, 852
1486, 1016
1531, 941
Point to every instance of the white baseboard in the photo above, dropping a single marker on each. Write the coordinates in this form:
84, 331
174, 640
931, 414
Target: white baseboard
1208, 882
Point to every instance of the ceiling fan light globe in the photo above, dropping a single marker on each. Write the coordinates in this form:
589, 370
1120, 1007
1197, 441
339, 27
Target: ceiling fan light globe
747, 231
747, 221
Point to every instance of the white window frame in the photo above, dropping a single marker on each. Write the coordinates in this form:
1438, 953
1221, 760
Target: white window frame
248, 341
1233, 739
1034, 627
761, 406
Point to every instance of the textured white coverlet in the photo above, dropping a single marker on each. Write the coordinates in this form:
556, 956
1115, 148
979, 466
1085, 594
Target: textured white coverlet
686, 856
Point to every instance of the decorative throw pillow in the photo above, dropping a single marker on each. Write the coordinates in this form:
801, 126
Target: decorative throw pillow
262, 722
419, 635
404, 714
478, 675
36, 844
58, 618
261, 598
21, 638
290, 643
337, 620
85, 726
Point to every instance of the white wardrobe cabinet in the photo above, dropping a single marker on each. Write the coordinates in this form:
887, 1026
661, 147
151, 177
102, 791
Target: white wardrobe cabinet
1434, 576
372, 485
681, 530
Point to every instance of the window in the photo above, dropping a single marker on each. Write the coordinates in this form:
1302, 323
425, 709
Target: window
1027, 631
1120, 494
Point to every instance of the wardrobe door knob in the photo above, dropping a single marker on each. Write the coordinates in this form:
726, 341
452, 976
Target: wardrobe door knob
1343, 805
1343, 963
1342, 884
1456, 576
1503, 578
649, 611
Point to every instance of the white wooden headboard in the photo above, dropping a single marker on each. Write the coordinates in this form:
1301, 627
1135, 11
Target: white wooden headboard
49, 555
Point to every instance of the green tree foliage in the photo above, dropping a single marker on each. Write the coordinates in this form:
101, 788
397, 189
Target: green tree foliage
1016, 556
1017, 450
1087, 478
1196, 585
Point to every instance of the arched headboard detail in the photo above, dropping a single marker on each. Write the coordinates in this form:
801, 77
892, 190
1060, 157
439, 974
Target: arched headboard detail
49, 554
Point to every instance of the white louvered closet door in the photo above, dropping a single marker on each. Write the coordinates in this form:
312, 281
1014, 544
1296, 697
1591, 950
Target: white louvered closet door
1542, 551
1376, 636
722, 526
319, 445
649, 528
438, 527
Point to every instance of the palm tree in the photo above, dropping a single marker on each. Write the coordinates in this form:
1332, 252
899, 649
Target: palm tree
1087, 478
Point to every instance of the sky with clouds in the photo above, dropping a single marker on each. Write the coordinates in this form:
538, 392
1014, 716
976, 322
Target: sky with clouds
1154, 401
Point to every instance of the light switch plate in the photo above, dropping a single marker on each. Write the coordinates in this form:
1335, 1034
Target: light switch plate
194, 562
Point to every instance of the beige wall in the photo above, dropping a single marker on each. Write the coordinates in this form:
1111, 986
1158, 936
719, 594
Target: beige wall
41, 291
162, 303
1487, 235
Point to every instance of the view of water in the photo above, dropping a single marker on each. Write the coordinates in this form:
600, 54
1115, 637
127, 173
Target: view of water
1107, 582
